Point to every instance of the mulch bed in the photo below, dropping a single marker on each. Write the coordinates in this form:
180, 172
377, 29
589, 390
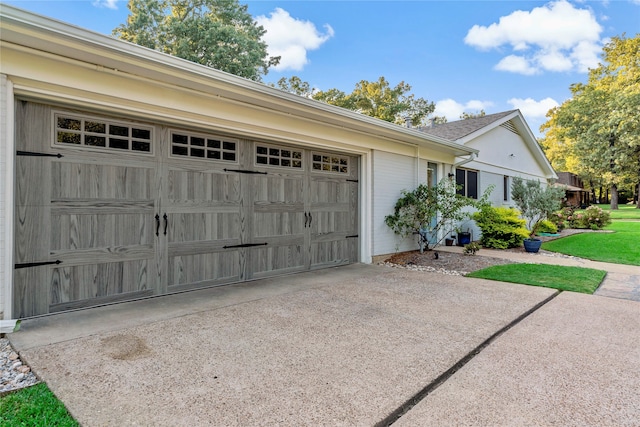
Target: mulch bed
445, 261
455, 263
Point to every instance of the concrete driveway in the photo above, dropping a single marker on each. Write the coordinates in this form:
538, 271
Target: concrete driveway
356, 345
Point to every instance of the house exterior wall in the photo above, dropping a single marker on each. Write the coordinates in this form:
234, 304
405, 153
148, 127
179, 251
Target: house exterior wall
502, 153
505, 153
393, 173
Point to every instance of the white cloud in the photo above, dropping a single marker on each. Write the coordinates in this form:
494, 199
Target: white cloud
291, 38
533, 109
554, 37
109, 4
516, 64
452, 109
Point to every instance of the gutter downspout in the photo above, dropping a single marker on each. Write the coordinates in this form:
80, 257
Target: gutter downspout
471, 158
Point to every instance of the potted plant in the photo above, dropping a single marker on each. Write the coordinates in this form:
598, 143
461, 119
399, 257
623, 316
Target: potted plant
464, 237
535, 204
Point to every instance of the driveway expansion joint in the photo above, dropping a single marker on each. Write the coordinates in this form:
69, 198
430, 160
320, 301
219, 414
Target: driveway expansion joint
429, 388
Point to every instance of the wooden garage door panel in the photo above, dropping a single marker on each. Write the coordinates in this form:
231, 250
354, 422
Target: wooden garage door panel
278, 222
94, 217
72, 232
204, 214
100, 280
334, 228
203, 185
73, 179
277, 258
206, 269
337, 251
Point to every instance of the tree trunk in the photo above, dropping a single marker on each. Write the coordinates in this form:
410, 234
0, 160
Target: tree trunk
638, 197
600, 195
614, 197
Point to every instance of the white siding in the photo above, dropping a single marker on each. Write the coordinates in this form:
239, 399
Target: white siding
505, 153
392, 173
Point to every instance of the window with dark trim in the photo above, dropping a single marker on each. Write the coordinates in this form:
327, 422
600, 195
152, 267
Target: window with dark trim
205, 147
330, 163
271, 155
467, 181
102, 133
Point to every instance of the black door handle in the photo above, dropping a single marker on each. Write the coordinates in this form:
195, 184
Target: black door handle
157, 224
306, 219
166, 223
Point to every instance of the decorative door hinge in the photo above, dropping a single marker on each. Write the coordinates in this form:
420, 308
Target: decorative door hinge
244, 171
244, 245
35, 154
36, 264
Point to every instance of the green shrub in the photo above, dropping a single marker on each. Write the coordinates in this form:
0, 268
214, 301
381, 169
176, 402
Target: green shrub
501, 227
560, 218
547, 226
593, 217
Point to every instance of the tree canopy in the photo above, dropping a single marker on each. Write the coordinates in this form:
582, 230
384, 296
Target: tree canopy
220, 34
375, 99
596, 133
465, 115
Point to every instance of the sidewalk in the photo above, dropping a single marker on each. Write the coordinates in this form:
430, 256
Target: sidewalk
622, 281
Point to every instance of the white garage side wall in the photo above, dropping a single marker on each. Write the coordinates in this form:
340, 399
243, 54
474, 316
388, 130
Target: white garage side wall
6, 196
392, 173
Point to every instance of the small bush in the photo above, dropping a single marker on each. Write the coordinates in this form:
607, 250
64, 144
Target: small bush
547, 226
471, 248
501, 227
593, 217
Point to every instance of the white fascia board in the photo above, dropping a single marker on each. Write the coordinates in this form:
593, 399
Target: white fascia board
38, 32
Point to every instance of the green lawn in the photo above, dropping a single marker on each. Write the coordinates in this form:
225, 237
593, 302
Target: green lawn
574, 279
34, 406
620, 247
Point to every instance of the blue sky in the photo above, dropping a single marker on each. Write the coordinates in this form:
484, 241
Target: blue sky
463, 55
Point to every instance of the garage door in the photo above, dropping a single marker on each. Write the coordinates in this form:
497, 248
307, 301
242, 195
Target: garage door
110, 210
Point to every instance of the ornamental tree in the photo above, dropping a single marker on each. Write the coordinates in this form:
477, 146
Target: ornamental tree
535, 202
431, 211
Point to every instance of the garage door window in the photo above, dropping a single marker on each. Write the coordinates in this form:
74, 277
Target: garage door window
269, 155
101, 133
203, 147
330, 163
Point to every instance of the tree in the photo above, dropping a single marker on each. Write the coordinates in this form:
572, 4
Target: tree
535, 202
465, 115
220, 34
415, 211
296, 86
598, 126
379, 99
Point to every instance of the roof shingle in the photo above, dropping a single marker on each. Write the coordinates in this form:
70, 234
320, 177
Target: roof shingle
461, 128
